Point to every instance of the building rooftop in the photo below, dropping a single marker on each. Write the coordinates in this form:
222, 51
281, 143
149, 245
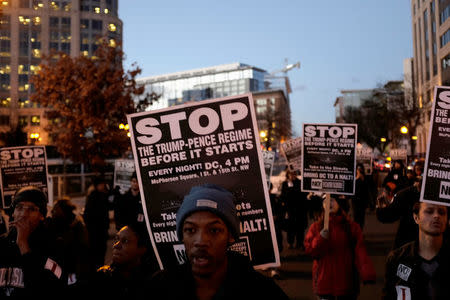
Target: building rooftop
198, 72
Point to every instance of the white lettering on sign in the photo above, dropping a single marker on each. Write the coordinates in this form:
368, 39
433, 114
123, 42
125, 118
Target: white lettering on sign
149, 133
333, 131
444, 190
445, 97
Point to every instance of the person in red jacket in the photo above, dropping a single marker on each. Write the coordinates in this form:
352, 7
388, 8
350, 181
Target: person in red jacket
340, 257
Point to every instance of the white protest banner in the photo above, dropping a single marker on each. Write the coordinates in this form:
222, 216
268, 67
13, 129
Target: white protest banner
292, 151
22, 166
123, 170
399, 154
329, 158
269, 159
364, 156
212, 141
436, 177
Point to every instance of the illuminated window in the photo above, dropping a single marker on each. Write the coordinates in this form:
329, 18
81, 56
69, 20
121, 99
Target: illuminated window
54, 5
23, 121
23, 83
35, 120
5, 82
5, 69
112, 27
24, 102
4, 20
5, 101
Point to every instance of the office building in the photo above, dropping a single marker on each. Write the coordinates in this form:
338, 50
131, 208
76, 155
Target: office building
431, 62
271, 93
30, 29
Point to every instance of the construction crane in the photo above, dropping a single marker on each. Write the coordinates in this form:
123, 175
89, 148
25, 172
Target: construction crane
287, 68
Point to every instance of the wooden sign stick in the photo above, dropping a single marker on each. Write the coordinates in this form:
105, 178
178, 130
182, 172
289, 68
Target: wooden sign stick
326, 216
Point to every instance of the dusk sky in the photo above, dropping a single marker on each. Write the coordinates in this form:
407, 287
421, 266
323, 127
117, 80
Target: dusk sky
349, 44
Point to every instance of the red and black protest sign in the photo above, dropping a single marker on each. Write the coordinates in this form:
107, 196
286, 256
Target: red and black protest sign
436, 178
212, 141
329, 158
22, 166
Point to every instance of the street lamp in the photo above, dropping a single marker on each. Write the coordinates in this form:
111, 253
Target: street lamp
383, 140
404, 129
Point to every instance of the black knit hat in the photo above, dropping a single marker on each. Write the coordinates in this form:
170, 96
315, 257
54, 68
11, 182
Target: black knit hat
212, 198
34, 195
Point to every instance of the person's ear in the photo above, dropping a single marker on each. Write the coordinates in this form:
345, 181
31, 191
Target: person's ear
416, 218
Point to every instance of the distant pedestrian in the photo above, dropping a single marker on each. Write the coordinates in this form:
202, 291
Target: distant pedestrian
421, 269
278, 213
340, 257
96, 218
401, 209
133, 264
296, 209
29, 263
128, 207
207, 224
360, 201
396, 179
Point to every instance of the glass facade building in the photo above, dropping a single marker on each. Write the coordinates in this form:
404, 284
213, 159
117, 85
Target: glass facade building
206, 83
270, 93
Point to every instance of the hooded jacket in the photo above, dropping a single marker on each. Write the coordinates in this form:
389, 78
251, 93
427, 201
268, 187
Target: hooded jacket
337, 258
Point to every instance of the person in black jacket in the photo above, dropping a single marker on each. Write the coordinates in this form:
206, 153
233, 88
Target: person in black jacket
71, 238
133, 264
401, 209
207, 223
128, 207
420, 269
296, 206
396, 178
29, 266
96, 218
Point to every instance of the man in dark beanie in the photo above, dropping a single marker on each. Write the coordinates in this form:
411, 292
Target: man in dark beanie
207, 224
29, 268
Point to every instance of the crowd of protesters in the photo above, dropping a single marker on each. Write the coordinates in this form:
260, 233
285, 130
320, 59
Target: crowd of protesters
61, 252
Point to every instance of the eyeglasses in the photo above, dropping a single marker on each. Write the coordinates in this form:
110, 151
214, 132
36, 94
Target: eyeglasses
21, 207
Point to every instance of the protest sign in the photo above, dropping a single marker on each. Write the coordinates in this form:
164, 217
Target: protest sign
22, 166
123, 170
212, 141
329, 158
269, 159
292, 151
436, 177
399, 154
364, 156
